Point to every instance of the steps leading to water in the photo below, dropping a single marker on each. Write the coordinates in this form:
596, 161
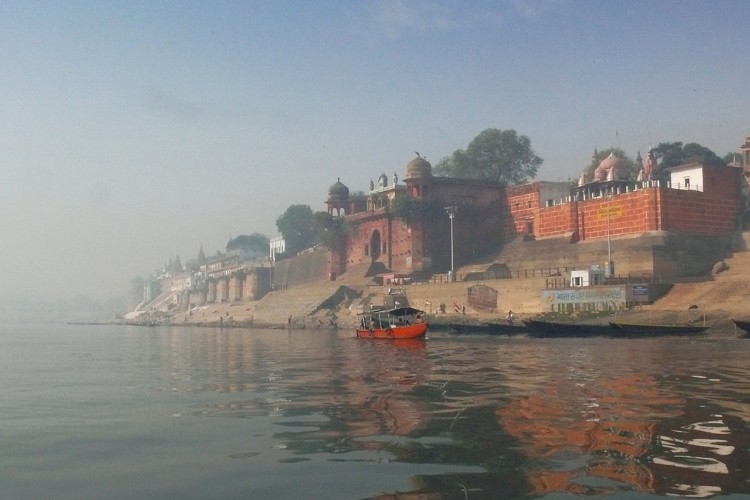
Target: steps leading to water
728, 291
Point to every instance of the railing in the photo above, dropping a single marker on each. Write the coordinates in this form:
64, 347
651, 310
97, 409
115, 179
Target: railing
557, 277
494, 275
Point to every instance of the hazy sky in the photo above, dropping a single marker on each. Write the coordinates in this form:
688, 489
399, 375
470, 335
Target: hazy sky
135, 131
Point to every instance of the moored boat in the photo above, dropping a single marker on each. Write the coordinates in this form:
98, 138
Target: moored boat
742, 325
398, 323
489, 328
635, 330
469, 327
539, 328
505, 328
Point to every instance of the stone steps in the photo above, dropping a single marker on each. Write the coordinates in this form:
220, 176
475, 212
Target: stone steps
728, 290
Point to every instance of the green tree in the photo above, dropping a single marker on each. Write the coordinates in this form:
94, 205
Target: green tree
672, 154
330, 231
411, 210
628, 169
255, 242
494, 155
296, 226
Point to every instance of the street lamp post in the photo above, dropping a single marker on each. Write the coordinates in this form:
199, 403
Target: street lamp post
609, 239
610, 267
451, 211
271, 259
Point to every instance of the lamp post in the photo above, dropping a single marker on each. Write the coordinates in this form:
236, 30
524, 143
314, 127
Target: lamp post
451, 211
271, 259
610, 267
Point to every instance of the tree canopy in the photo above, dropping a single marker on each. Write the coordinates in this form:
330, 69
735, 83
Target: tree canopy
329, 230
411, 210
494, 155
628, 171
296, 226
255, 242
672, 154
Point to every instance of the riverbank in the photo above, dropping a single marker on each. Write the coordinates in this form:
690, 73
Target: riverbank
718, 321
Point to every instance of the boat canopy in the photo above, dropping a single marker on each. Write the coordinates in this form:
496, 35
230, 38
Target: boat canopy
399, 311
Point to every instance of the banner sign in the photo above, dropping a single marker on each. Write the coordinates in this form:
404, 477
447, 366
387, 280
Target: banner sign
580, 295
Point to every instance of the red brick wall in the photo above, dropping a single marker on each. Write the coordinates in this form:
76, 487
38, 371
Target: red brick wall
640, 211
497, 214
626, 213
520, 206
558, 220
693, 212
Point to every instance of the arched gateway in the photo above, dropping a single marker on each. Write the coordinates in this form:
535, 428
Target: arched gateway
375, 245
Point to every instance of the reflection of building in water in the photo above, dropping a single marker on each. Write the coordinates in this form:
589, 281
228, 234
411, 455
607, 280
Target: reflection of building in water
362, 396
373, 397
701, 453
620, 433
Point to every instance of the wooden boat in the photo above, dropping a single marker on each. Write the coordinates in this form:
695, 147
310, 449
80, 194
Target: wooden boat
538, 328
633, 330
742, 325
398, 323
505, 328
469, 327
489, 328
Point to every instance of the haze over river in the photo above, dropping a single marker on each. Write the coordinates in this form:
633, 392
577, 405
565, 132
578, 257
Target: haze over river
179, 413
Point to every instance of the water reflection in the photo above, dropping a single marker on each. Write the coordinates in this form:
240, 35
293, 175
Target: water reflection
510, 417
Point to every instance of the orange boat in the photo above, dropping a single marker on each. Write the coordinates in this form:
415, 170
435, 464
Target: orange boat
398, 323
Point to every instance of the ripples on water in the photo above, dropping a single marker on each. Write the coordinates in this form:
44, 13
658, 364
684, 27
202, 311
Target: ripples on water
117, 412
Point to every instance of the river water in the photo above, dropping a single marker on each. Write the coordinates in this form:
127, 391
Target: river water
127, 412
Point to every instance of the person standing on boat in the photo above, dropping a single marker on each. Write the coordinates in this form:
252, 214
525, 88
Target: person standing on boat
510, 317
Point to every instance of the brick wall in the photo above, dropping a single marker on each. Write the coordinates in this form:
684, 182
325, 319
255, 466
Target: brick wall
640, 211
558, 220
491, 215
692, 212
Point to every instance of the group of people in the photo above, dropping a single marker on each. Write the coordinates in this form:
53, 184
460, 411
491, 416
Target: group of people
375, 324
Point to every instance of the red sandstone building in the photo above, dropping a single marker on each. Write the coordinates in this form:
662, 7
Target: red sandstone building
697, 205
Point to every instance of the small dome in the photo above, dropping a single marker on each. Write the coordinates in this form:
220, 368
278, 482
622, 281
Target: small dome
417, 168
608, 168
338, 191
610, 162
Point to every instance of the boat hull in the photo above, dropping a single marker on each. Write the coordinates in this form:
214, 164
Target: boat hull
507, 328
489, 328
743, 325
468, 328
633, 330
556, 329
397, 332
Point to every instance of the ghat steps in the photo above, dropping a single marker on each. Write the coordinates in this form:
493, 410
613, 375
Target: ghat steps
729, 291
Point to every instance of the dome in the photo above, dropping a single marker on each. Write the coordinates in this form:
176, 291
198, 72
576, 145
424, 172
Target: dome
610, 162
338, 191
418, 167
608, 168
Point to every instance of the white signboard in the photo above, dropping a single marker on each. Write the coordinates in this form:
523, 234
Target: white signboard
580, 296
